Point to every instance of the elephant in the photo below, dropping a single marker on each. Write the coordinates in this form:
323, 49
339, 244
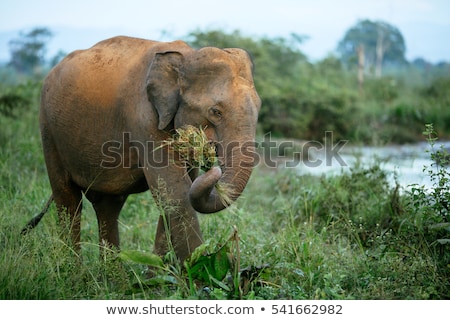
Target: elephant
131, 94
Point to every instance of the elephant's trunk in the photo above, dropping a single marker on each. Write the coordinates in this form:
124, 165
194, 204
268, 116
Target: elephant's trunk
236, 159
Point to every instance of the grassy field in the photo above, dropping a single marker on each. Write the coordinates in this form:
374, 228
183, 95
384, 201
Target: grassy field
289, 237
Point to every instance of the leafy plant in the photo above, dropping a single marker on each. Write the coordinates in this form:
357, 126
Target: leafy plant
433, 205
213, 265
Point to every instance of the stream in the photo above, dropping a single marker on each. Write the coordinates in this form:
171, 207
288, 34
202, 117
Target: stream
404, 163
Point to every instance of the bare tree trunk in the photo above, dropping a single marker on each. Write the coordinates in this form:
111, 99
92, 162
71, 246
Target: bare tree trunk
379, 52
361, 68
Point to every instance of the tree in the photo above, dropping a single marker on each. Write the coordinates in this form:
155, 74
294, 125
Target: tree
383, 45
28, 51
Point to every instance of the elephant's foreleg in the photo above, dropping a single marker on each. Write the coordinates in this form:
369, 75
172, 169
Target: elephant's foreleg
107, 208
177, 230
178, 227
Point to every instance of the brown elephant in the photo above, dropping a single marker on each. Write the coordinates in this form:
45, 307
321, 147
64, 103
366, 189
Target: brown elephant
105, 112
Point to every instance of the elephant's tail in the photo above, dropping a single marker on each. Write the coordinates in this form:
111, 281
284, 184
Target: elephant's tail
35, 220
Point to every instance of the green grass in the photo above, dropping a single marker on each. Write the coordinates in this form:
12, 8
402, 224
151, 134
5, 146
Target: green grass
302, 237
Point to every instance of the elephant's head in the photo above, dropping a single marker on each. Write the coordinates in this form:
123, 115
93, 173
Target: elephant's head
212, 88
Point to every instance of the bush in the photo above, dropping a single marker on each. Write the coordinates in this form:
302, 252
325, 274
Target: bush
15, 99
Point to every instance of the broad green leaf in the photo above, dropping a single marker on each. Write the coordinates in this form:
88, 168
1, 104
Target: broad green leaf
221, 264
214, 265
440, 226
140, 257
443, 241
220, 284
160, 280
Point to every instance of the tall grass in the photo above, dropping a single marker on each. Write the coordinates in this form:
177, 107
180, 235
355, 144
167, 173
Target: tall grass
351, 236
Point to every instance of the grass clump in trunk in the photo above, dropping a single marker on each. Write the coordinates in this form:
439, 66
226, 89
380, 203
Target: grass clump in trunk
198, 152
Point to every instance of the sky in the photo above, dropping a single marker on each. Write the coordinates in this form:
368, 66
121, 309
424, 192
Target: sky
425, 24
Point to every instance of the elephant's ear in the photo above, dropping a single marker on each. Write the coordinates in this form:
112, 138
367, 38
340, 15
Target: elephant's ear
163, 88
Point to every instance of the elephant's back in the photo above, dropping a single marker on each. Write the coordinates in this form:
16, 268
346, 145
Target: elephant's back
90, 85
114, 55
113, 70
116, 47
102, 67
117, 56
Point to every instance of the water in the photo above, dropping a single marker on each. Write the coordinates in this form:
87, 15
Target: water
404, 163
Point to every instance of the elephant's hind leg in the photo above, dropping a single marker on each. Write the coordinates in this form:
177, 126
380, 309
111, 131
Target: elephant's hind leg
66, 194
69, 204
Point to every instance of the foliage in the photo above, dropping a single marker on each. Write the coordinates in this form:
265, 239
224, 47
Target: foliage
433, 205
373, 35
28, 51
16, 99
193, 146
9, 102
438, 91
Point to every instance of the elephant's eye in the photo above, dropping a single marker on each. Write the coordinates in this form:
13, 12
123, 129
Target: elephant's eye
215, 115
217, 112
